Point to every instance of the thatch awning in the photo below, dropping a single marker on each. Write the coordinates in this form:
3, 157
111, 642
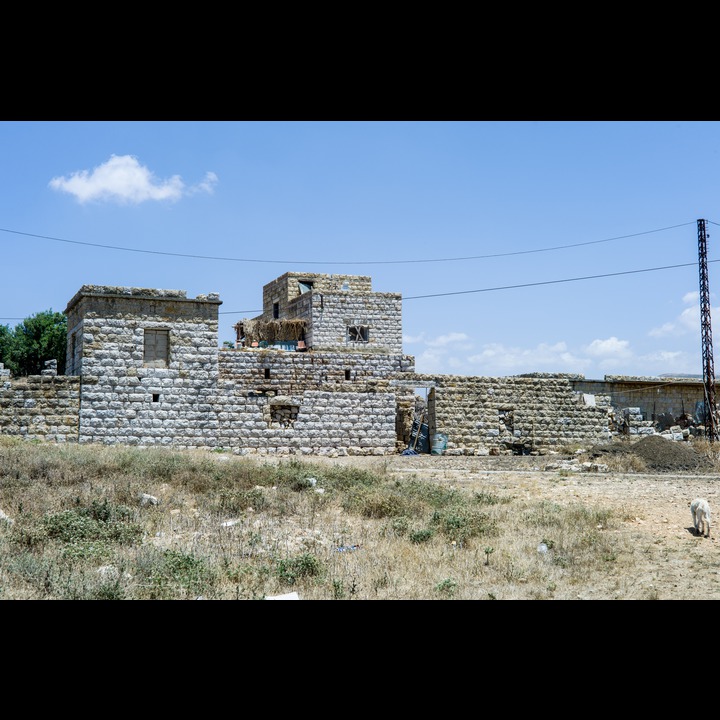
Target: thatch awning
249, 331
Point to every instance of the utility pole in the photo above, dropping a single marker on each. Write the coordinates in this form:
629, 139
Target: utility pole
711, 429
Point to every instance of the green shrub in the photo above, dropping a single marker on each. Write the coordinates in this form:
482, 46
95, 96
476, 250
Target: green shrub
291, 569
461, 523
421, 536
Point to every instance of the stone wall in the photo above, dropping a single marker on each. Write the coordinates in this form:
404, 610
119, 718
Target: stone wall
123, 399
331, 315
654, 397
144, 368
287, 288
40, 407
307, 423
482, 415
331, 303
288, 371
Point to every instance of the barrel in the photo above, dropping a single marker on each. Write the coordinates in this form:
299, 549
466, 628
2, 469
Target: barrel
439, 443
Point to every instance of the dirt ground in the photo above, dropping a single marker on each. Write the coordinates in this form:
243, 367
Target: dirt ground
669, 560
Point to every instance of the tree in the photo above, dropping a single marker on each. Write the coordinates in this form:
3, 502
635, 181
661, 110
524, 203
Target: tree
38, 338
6, 338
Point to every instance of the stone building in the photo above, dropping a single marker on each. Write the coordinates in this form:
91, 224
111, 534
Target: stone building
320, 371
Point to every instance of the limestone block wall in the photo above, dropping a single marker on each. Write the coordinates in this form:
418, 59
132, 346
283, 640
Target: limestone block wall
39, 407
306, 423
331, 314
287, 371
125, 401
285, 289
481, 415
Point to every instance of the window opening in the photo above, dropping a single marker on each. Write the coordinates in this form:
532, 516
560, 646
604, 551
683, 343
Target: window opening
284, 415
347, 374
276, 310
358, 333
267, 373
156, 397
156, 344
305, 286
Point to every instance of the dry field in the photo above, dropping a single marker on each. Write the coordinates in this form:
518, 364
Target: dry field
653, 521
607, 523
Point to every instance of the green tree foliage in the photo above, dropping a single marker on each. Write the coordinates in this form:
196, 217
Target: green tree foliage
40, 337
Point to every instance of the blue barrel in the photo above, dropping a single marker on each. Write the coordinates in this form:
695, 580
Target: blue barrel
439, 443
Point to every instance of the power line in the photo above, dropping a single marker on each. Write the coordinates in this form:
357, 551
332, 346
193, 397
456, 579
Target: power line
535, 284
552, 282
416, 297
502, 287
358, 262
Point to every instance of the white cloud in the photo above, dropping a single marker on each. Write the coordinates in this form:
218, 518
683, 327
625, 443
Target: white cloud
207, 185
665, 329
413, 339
122, 179
610, 349
453, 338
498, 359
690, 319
666, 360
687, 322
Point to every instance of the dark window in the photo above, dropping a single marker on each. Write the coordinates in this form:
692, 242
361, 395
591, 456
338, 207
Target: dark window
75, 355
305, 286
276, 310
347, 374
156, 397
267, 373
358, 333
156, 348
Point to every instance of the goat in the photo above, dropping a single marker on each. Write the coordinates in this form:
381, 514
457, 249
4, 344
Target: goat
700, 509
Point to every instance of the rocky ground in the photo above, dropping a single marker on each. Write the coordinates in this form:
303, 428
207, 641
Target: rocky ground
671, 561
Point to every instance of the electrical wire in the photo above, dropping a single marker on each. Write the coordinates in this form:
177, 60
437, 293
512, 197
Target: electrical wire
356, 262
411, 297
551, 282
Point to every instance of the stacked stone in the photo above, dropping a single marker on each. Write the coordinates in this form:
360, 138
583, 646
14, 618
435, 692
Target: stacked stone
40, 407
380, 312
635, 424
482, 414
289, 371
324, 423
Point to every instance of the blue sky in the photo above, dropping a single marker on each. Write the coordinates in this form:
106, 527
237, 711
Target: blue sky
518, 246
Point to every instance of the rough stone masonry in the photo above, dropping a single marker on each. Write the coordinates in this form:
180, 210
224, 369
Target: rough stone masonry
144, 368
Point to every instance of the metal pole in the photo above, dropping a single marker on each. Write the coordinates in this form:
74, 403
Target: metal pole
711, 429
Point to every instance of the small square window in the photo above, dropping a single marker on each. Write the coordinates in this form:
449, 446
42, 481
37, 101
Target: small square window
358, 333
156, 345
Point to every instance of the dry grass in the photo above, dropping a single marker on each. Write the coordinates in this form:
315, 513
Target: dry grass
227, 527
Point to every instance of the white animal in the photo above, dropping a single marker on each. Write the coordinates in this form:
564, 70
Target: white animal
700, 509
